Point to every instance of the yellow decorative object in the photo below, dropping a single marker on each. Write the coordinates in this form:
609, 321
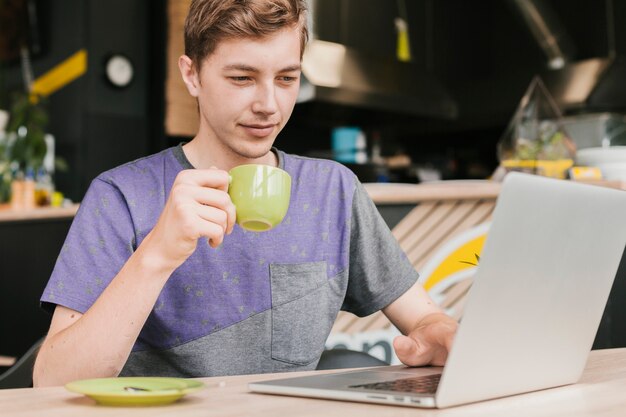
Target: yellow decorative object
57, 199
403, 48
61, 75
547, 168
585, 173
454, 261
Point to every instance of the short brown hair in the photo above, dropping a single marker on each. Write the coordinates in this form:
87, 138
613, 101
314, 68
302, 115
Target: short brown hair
211, 21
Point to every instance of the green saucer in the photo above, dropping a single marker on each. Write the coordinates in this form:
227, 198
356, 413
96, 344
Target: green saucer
135, 391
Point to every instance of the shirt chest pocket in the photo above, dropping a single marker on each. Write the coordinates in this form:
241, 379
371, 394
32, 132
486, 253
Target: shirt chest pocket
301, 311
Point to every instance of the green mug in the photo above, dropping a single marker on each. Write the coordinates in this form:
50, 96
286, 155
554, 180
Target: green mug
260, 194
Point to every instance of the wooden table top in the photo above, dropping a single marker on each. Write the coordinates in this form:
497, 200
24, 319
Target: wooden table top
599, 393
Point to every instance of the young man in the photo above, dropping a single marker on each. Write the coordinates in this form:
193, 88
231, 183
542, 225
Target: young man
138, 291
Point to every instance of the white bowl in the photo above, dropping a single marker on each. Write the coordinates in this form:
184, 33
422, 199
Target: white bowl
596, 156
613, 171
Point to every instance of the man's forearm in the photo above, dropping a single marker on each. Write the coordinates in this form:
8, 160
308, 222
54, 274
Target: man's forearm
99, 342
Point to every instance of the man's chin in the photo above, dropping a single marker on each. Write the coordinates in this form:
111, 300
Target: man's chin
255, 151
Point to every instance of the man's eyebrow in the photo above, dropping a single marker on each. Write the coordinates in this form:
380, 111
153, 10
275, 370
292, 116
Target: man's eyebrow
240, 67
248, 68
292, 68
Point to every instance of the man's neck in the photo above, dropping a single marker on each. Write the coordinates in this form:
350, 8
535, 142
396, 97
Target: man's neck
203, 154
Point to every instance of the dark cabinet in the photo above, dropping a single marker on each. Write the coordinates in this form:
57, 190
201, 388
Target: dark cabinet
28, 252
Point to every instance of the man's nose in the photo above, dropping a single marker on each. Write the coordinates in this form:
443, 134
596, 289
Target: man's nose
265, 100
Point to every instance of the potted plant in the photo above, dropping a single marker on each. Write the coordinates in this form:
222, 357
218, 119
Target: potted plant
23, 149
26, 131
23, 142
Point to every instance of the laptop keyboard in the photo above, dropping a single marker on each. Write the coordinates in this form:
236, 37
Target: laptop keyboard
420, 385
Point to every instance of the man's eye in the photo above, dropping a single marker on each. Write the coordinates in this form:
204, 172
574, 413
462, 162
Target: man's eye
241, 79
287, 79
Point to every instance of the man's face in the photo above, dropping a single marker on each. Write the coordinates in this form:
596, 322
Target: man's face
247, 90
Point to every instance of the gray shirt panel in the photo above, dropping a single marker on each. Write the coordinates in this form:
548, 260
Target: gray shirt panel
379, 269
289, 337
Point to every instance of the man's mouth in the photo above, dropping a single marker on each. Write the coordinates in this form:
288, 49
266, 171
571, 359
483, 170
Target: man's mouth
259, 130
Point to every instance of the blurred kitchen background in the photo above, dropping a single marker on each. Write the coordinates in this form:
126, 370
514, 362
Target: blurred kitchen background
432, 109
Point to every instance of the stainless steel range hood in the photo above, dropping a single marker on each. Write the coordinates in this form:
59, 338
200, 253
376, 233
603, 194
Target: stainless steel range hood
574, 84
590, 84
334, 71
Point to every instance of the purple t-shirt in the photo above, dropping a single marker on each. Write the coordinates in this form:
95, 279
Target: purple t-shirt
261, 302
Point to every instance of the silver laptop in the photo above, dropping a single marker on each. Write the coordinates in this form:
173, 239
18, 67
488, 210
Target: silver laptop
544, 277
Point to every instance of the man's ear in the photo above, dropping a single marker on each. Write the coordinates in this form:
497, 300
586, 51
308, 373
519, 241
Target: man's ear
189, 74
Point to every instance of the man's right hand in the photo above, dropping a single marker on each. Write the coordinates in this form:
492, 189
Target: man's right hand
198, 206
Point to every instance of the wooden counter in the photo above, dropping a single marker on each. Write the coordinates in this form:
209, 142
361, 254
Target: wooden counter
399, 193
380, 193
9, 215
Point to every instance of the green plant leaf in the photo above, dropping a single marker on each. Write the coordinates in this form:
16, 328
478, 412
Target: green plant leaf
29, 148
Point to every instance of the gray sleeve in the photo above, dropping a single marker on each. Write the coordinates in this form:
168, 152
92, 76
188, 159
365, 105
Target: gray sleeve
379, 271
